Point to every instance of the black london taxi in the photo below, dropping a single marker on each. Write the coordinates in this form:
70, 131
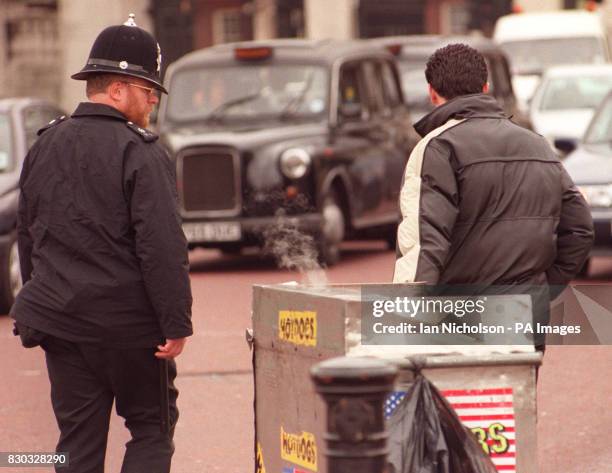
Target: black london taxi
20, 119
310, 135
412, 52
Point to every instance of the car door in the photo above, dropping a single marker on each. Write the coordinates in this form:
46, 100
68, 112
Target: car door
394, 131
26, 121
356, 145
501, 88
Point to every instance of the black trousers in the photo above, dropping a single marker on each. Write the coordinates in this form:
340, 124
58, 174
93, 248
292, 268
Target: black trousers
85, 380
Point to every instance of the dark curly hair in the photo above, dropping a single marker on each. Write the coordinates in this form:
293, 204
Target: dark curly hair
456, 69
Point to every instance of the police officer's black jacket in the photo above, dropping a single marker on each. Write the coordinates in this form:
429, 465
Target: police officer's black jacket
103, 255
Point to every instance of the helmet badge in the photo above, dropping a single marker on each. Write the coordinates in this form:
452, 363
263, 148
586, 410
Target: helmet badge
131, 21
123, 65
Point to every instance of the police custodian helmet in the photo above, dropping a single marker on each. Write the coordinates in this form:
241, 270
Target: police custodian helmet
126, 50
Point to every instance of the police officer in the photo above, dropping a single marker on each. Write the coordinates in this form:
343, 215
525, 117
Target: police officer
104, 260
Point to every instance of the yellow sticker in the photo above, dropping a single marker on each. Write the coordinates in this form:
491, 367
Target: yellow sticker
260, 467
299, 449
298, 327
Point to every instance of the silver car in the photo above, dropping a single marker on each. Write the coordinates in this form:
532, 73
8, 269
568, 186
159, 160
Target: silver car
20, 119
566, 99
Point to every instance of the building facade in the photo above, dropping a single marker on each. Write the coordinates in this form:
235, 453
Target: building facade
30, 49
46, 41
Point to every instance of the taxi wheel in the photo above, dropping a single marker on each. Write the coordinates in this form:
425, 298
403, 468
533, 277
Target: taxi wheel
332, 231
11, 275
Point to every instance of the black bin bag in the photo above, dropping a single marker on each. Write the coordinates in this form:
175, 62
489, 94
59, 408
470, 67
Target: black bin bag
426, 436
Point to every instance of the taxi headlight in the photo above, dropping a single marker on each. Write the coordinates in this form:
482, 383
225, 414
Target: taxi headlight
597, 195
295, 162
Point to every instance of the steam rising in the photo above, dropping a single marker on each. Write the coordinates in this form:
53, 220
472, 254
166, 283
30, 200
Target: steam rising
294, 250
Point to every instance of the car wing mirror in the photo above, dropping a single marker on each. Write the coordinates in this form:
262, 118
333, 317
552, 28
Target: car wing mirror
565, 145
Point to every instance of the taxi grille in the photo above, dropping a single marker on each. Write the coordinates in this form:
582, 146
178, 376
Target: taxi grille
209, 182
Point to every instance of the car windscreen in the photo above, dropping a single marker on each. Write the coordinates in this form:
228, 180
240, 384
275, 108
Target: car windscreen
600, 128
6, 141
248, 92
533, 56
585, 91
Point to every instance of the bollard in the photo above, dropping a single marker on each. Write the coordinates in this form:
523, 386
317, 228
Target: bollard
354, 391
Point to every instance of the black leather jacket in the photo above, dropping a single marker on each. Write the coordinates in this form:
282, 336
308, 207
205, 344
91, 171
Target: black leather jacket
486, 201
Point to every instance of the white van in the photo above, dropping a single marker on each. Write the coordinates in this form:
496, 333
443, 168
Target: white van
535, 41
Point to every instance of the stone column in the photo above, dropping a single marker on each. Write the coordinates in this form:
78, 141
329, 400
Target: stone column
80, 21
538, 5
3, 47
330, 19
606, 14
264, 19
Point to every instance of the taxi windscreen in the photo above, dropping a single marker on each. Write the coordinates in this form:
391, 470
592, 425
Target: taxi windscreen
248, 92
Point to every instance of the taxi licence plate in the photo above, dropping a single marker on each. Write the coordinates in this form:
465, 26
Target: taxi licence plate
217, 231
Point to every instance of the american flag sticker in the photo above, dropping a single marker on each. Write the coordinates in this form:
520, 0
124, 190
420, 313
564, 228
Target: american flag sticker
488, 413
393, 400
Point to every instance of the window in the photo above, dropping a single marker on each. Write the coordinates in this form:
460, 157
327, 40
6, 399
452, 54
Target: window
533, 56
227, 25
34, 118
351, 106
455, 18
500, 75
6, 140
600, 130
375, 87
249, 92
575, 92
382, 87
390, 85
414, 84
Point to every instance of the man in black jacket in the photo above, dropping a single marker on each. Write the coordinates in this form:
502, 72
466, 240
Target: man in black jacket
484, 201
104, 261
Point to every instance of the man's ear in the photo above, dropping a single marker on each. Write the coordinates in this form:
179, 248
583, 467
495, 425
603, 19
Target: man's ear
435, 98
485, 88
116, 91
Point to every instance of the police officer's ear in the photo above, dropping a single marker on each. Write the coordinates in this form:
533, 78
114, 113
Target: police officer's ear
116, 91
485, 88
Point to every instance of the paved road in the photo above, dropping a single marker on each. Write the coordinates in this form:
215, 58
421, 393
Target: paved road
215, 432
